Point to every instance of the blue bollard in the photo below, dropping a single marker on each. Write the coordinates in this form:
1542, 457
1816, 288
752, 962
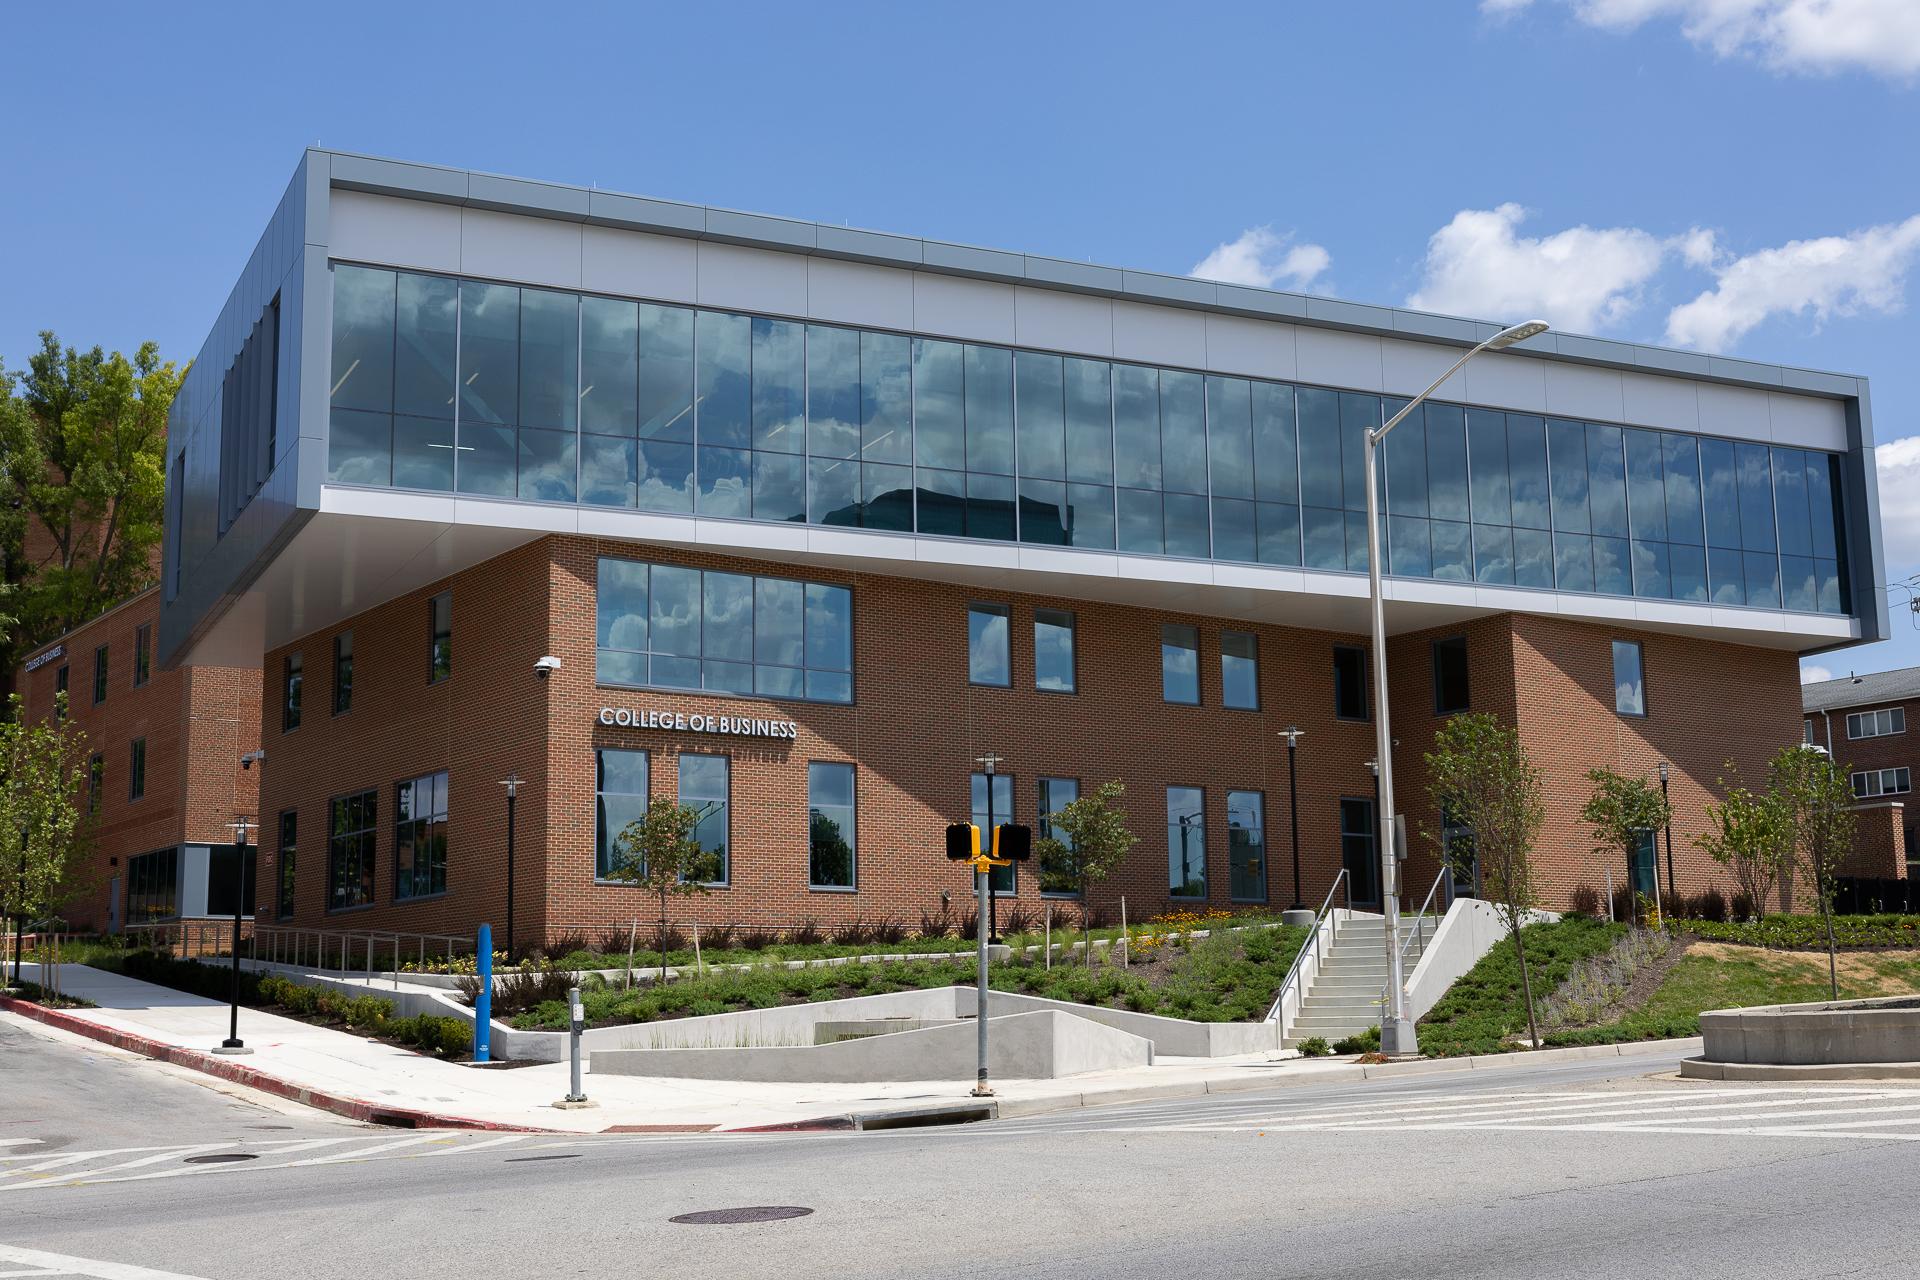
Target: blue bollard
483, 1002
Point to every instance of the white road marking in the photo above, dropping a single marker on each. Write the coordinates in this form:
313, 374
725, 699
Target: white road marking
62, 1264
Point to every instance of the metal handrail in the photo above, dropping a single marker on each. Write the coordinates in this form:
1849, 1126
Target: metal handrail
1420, 919
1313, 940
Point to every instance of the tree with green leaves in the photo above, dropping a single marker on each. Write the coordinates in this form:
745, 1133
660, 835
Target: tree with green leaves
1480, 775
1750, 835
658, 851
1622, 811
1817, 803
83, 439
1087, 838
43, 826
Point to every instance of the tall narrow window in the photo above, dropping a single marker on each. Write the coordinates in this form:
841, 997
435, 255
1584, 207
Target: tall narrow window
1186, 843
1358, 850
1180, 663
96, 781
61, 685
992, 806
350, 839
619, 796
1058, 876
1053, 657
283, 861
99, 675
1246, 846
1629, 679
440, 637
420, 836
290, 681
988, 661
703, 788
343, 672
1349, 682
830, 826
1240, 670
137, 769
1450, 692
142, 654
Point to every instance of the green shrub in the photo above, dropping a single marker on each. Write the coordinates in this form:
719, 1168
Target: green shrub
1315, 1047
1367, 1041
1806, 932
1485, 1008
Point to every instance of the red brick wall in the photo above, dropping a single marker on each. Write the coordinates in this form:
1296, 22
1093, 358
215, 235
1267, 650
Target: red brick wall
1879, 841
1875, 847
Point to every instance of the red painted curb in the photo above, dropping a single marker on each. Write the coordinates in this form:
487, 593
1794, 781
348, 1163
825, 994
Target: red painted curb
254, 1078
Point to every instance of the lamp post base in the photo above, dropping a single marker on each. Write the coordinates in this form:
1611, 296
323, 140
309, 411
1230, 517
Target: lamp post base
574, 1104
1297, 917
1397, 1039
232, 1049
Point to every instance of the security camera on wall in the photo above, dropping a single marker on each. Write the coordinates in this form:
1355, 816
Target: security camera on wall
546, 666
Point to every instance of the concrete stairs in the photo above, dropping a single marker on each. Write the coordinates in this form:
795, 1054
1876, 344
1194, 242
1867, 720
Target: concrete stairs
1344, 997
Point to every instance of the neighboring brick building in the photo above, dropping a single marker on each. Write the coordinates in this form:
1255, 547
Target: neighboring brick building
1863, 722
164, 750
849, 512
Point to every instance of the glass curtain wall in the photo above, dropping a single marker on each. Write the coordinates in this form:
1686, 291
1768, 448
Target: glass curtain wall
463, 386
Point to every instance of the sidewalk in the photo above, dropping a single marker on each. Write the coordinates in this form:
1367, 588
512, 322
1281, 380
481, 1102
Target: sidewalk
351, 1075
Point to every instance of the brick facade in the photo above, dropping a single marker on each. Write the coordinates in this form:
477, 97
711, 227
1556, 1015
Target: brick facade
914, 730
1888, 834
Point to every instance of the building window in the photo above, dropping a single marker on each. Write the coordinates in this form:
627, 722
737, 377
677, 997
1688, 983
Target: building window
96, 781
988, 660
153, 886
142, 654
99, 675
420, 836
440, 637
1053, 650
137, 769
1239, 670
671, 627
1186, 843
1057, 876
343, 672
831, 840
1350, 682
703, 788
1450, 692
1806, 732
993, 805
1358, 850
1629, 679
1873, 782
1872, 724
1247, 846
1180, 663
284, 861
61, 680
619, 797
290, 681
350, 837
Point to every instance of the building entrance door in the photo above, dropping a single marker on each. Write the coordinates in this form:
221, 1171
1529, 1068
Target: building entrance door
1643, 870
1360, 851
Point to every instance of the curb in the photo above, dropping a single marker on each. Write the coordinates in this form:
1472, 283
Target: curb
1701, 1069
254, 1078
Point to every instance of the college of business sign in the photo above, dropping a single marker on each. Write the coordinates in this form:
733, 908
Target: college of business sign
695, 722
35, 663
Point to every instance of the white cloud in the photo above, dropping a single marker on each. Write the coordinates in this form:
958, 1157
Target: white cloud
1582, 278
1899, 466
1828, 276
1265, 259
1499, 9
1821, 36
1813, 673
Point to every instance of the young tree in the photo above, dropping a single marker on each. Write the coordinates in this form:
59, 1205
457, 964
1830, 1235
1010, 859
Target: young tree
1480, 775
42, 824
1752, 837
1816, 801
1622, 811
657, 851
1088, 839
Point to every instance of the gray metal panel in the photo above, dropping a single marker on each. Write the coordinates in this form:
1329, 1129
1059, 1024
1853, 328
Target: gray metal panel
1571, 346
1083, 276
1690, 364
1419, 325
1350, 315
1830, 384
396, 177
869, 246
1259, 302
1866, 556
516, 195
1184, 290
964, 259
636, 213
755, 229
1747, 371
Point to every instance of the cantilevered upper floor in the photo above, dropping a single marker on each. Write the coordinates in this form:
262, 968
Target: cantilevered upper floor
423, 367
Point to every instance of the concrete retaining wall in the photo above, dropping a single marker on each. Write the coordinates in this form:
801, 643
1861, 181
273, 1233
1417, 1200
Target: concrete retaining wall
1843, 1032
1176, 1037
1467, 932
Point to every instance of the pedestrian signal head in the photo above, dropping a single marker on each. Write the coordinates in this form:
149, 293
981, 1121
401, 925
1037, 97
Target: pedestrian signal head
1013, 842
963, 841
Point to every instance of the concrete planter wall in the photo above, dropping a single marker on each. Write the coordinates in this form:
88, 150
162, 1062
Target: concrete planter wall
1828, 1033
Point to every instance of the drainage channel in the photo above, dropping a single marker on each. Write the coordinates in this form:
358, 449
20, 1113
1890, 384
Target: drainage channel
925, 1117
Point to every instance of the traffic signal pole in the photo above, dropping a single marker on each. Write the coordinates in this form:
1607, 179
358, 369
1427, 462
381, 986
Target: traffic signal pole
981, 1089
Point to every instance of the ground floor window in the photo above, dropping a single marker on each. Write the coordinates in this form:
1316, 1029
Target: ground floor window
1359, 851
1247, 846
1186, 843
350, 838
619, 797
153, 886
703, 787
420, 836
993, 805
830, 829
284, 860
1057, 876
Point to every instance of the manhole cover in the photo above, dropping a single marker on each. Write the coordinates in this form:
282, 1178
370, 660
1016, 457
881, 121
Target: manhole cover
221, 1157
753, 1213
529, 1159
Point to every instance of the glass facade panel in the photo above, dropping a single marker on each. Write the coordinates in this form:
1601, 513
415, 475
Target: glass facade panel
1606, 482
1058, 877
1053, 645
988, 658
1646, 487
1039, 383
1447, 497
1089, 413
1404, 456
426, 315
831, 835
1186, 843
1752, 464
723, 381
1276, 446
1230, 442
833, 393
1247, 845
1180, 663
609, 366
1487, 460
420, 837
989, 380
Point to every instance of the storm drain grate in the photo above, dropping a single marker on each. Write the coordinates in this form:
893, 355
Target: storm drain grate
221, 1157
752, 1213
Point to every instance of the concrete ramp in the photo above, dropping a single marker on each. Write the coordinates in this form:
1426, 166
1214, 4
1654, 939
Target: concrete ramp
1043, 1045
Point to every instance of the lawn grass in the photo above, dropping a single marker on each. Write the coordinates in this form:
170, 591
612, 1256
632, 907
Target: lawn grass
1485, 1006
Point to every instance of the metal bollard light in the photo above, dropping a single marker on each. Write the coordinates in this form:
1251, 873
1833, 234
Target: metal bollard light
576, 1023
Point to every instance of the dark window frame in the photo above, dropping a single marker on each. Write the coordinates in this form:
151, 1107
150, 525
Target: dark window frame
136, 769
293, 681
853, 840
286, 863
599, 793
1366, 707
1199, 693
142, 655
101, 672
1266, 862
342, 699
1254, 638
1043, 828
439, 639
1443, 706
1072, 628
1640, 660
370, 833
420, 834
1206, 880
679, 794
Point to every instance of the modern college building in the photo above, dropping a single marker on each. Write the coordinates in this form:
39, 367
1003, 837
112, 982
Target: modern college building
815, 519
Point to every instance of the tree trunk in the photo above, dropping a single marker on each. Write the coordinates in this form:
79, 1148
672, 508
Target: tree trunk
1526, 983
663, 937
1833, 962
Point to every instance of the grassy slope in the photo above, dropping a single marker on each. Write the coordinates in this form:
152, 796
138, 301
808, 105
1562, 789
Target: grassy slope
1485, 1006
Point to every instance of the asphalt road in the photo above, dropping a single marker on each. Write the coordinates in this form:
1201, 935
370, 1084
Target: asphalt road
1566, 1169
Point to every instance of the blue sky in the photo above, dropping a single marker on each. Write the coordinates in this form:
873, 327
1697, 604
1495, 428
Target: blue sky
1728, 174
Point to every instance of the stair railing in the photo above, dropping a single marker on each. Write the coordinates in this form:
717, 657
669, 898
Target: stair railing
1313, 941
1419, 930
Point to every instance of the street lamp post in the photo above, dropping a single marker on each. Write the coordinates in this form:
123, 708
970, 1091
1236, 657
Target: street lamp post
512, 783
233, 1046
1673, 890
1396, 1025
1293, 734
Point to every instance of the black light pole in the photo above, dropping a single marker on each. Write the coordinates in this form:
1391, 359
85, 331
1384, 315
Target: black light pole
1672, 890
233, 1045
512, 783
1293, 734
